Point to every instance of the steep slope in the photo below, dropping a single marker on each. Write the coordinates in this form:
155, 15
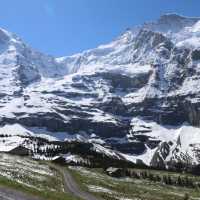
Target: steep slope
136, 97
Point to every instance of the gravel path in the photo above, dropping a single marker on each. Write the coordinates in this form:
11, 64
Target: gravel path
72, 187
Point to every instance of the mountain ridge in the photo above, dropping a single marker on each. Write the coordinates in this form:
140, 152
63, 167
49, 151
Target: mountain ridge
136, 98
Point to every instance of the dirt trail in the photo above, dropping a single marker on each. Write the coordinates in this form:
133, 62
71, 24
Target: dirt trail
72, 187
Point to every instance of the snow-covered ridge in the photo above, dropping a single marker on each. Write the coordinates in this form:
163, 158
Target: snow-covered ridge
179, 29
119, 52
30, 63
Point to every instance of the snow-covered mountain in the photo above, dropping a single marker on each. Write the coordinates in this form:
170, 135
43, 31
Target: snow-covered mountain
136, 98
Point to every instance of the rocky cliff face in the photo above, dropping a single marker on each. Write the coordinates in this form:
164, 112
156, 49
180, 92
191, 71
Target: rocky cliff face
138, 95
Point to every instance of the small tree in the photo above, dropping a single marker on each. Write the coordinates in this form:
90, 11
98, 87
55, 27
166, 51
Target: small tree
186, 197
179, 181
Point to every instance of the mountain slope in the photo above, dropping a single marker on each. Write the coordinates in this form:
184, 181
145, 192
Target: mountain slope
136, 97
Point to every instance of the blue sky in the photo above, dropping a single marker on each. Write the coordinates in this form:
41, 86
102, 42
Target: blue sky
64, 27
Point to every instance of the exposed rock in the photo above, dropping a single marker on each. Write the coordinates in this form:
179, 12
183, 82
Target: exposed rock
196, 54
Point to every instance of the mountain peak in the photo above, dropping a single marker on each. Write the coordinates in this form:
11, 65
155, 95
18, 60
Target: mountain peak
174, 17
171, 16
171, 23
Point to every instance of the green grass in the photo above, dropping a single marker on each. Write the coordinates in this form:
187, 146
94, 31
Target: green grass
131, 188
31, 173
47, 195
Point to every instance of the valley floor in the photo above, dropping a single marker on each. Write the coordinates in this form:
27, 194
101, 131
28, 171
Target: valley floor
32, 178
26, 179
